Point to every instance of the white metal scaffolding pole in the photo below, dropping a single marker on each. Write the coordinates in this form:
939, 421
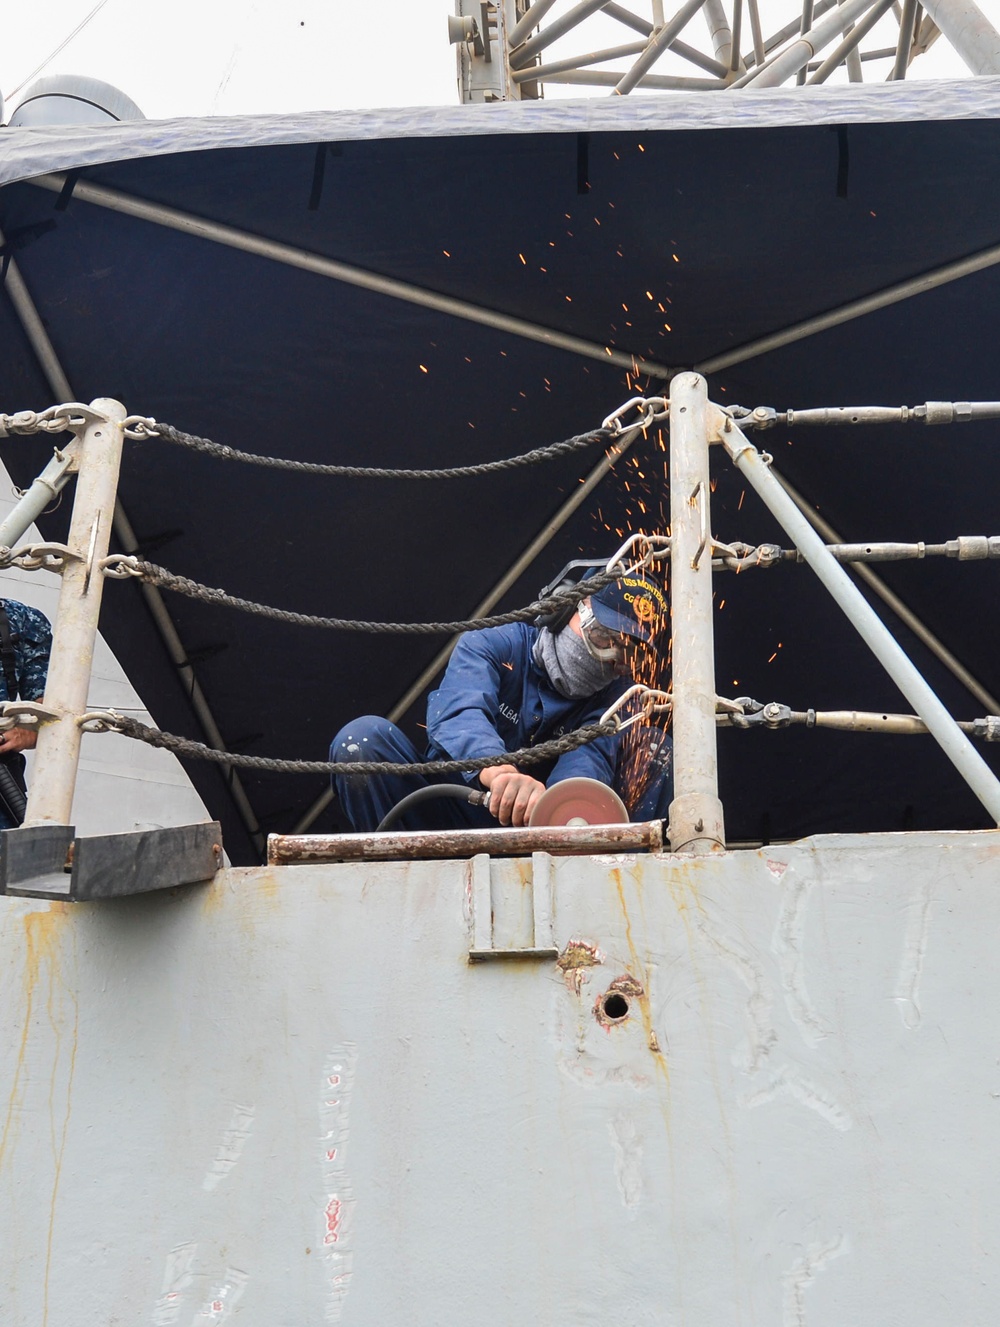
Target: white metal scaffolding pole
969, 31
800, 52
696, 821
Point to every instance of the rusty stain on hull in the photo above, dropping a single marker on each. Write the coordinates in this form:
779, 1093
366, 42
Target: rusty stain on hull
574, 961
43, 932
652, 1040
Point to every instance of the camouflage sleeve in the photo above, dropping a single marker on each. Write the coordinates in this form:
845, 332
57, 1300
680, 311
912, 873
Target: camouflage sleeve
33, 643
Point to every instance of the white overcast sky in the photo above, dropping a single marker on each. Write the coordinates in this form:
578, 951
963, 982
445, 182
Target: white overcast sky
231, 57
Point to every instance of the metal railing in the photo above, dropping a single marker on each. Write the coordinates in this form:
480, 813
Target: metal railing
98, 433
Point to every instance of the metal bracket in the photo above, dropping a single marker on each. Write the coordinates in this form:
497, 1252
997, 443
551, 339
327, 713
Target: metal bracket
48, 861
24, 714
492, 911
698, 500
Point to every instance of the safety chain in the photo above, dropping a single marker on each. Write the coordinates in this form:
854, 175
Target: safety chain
38, 557
24, 714
120, 566
103, 721
55, 419
650, 410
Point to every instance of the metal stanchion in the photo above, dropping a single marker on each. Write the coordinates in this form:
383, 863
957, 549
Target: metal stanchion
50, 799
696, 821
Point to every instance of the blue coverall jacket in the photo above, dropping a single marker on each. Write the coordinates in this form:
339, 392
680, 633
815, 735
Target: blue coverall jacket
495, 698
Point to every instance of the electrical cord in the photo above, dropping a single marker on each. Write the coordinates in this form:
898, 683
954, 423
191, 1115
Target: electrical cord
459, 792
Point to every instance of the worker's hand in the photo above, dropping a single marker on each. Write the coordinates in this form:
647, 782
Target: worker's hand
17, 739
512, 794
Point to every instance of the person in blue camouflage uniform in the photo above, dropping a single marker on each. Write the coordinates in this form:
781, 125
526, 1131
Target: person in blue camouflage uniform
31, 644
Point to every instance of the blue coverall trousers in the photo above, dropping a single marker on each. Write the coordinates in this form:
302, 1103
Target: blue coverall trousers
365, 800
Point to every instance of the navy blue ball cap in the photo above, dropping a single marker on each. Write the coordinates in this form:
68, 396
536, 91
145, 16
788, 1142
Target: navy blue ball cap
631, 606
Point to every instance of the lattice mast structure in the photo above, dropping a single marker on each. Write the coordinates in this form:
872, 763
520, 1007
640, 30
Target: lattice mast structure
509, 50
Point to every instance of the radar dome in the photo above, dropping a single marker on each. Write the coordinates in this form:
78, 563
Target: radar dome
73, 99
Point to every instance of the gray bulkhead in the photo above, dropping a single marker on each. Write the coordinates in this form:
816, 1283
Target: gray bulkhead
757, 1087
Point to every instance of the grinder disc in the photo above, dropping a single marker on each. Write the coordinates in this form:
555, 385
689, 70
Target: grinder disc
579, 801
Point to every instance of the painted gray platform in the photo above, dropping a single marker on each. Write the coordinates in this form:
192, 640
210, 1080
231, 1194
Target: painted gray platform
289, 1099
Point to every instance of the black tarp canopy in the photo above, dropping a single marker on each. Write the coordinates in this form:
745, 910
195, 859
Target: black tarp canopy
676, 232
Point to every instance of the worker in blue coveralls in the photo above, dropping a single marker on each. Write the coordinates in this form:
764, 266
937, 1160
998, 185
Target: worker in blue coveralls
25, 643
515, 686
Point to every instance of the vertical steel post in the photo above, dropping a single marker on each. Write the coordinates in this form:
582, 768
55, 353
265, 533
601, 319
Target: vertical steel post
50, 799
696, 823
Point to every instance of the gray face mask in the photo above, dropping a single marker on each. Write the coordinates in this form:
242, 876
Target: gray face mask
571, 668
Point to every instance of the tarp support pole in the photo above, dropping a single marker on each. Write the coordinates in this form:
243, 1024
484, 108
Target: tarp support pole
696, 819
293, 256
956, 746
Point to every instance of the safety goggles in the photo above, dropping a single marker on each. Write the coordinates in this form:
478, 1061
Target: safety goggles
604, 645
